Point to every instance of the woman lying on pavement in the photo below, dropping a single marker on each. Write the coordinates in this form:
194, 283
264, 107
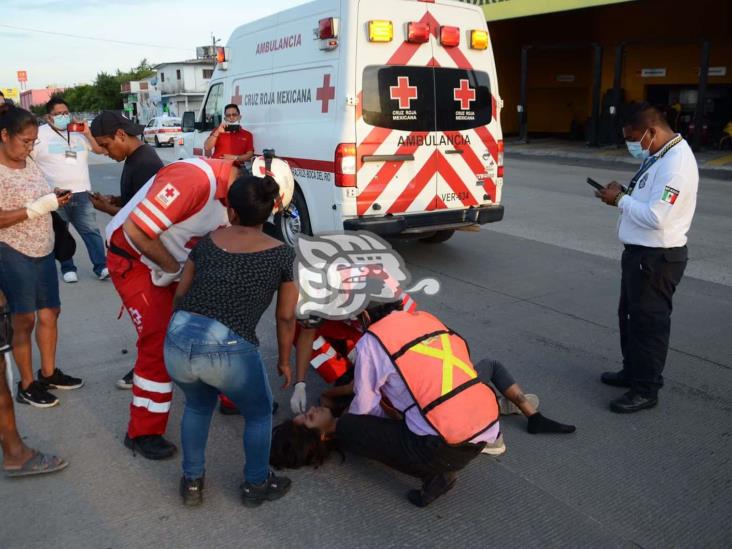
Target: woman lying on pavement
423, 369
328, 346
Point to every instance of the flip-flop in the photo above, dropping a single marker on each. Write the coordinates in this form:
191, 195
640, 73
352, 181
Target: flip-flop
39, 464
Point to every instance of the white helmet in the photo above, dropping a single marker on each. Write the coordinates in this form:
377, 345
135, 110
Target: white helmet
280, 171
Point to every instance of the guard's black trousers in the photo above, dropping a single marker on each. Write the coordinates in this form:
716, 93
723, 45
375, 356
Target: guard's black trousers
649, 279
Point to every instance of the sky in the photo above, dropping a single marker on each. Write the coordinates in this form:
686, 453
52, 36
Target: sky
172, 28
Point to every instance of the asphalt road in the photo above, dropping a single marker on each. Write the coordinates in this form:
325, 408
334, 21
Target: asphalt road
537, 291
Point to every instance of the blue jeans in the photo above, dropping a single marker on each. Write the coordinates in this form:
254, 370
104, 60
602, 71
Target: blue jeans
204, 357
80, 213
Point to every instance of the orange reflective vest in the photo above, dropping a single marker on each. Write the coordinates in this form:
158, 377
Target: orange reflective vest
434, 363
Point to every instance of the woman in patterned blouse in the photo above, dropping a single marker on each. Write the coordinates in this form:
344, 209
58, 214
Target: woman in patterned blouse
27, 266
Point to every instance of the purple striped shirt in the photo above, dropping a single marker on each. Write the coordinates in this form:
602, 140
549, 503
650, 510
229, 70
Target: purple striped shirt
375, 375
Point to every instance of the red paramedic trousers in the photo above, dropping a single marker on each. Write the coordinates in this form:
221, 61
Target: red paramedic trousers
150, 309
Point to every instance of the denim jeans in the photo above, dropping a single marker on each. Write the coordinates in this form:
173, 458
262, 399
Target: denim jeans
80, 213
204, 357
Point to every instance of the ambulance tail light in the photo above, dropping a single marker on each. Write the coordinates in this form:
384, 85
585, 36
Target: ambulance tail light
345, 165
381, 30
479, 39
450, 36
499, 172
418, 33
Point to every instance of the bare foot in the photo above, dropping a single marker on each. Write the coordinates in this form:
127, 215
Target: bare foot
16, 461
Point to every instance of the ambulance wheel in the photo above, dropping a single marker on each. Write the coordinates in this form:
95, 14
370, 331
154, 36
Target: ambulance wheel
157, 142
438, 236
294, 221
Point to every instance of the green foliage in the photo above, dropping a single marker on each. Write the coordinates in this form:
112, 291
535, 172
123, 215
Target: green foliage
105, 92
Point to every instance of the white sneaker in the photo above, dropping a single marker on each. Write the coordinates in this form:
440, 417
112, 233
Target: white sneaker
104, 275
507, 407
495, 448
70, 277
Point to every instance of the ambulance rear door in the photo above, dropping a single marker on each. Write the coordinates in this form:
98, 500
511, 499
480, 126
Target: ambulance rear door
395, 118
468, 129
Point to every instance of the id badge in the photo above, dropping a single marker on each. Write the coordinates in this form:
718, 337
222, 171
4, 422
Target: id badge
70, 157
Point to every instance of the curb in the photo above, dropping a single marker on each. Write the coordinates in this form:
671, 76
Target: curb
723, 174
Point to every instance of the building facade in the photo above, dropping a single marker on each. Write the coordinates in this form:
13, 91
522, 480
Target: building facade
567, 73
30, 98
183, 85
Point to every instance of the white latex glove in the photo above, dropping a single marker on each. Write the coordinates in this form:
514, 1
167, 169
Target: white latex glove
299, 400
41, 206
162, 278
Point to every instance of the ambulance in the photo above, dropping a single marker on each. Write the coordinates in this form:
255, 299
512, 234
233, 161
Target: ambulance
388, 112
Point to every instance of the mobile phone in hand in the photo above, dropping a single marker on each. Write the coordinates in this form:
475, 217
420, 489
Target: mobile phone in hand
62, 192
594, 184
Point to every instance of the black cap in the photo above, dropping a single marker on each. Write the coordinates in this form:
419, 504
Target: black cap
108, 122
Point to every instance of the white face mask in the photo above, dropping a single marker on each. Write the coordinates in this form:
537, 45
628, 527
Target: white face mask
636, 150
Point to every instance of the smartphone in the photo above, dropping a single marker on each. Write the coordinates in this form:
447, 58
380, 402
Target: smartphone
594, 184
232, 127
62, 192
75, 127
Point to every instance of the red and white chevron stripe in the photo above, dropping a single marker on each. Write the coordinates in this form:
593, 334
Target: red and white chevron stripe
403, 187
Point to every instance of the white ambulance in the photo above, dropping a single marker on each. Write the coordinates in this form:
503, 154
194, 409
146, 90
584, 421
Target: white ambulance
388, 112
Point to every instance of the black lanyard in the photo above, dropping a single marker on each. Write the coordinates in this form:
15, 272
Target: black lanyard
67, 138
650, 161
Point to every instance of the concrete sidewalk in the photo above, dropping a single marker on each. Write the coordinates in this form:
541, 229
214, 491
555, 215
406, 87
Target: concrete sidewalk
712, 163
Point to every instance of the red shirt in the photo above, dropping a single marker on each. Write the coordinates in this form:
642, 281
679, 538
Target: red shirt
238, 143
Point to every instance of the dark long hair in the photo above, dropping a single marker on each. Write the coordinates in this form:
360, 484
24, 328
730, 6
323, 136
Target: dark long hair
253, 198
15, 120
295, 446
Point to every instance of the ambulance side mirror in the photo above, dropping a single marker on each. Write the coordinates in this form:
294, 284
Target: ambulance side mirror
188, 122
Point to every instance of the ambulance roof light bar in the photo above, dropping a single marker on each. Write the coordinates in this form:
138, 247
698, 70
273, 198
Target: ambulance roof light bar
449, 36
479, 39
418, 33
381, 30
222, 57
327, 33
328, 28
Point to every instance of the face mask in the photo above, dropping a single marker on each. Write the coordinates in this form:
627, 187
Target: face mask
636, 150
61, 121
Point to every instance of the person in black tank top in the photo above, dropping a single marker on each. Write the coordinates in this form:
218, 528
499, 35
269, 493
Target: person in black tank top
211, 345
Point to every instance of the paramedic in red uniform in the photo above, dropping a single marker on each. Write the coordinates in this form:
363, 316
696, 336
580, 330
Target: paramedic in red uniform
230, 141
424, 371
149, 241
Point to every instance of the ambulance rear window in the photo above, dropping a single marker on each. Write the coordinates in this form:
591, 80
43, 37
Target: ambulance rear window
464, 99
426, 98
399, 98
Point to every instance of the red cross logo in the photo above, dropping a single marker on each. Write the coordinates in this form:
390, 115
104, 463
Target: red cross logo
236, 99
403, 92
325, 94
465, 94
170, 192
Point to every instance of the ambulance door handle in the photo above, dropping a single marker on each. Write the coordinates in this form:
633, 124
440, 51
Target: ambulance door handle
454, 151
387, 158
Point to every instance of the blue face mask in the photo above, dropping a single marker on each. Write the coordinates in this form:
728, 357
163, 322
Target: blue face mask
61, 121
636, 150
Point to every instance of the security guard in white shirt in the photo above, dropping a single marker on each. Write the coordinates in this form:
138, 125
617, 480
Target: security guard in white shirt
656, 210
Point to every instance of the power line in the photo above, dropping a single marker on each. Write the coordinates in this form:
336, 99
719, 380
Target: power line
92, 38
